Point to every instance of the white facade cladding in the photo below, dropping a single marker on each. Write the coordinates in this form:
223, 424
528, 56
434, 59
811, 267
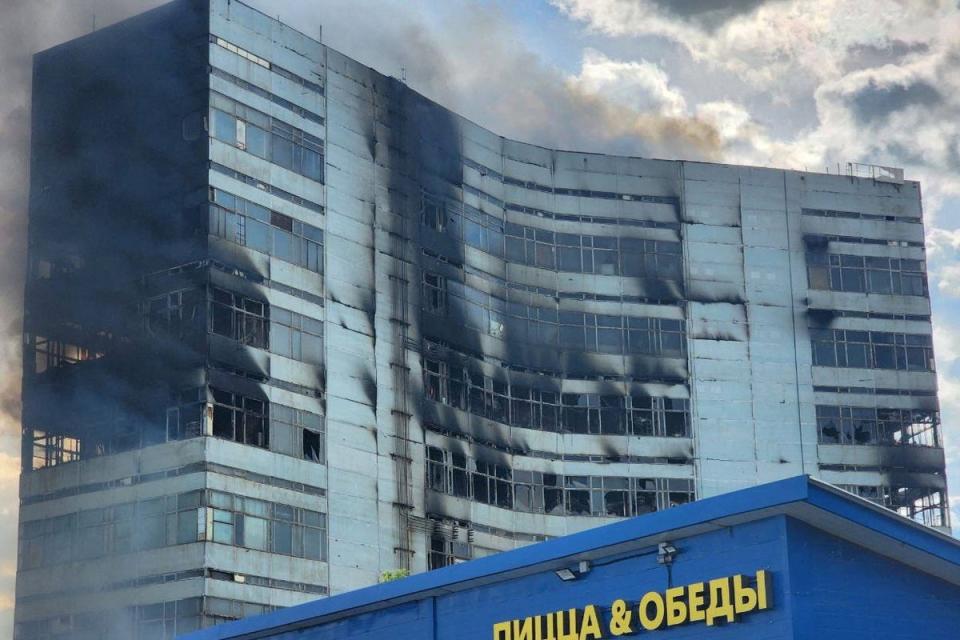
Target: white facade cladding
352, 332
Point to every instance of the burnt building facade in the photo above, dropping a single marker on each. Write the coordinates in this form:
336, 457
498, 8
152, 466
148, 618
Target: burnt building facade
290, 325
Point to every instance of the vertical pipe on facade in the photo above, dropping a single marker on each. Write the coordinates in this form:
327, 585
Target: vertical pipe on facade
691, 359
793, 322
746, 314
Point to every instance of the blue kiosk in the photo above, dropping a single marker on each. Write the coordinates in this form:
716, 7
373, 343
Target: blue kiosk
790, 559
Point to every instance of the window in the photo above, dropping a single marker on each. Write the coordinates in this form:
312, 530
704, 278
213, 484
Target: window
432, 213
239, 418
296, 336
239, 318
866, 274
445, 552
312, 446
267, 526
117, 529
871, 350
585, 413
925, 505
266, 137
175, 314
535, 492
567, 330
297, 432
876, 426
435, 293
251, 225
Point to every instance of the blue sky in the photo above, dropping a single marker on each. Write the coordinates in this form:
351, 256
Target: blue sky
783, 83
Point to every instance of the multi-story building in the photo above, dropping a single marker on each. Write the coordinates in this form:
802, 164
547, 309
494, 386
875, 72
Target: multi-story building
290, 324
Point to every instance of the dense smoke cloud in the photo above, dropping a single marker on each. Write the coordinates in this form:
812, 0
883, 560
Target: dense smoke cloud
26, 26
470, 58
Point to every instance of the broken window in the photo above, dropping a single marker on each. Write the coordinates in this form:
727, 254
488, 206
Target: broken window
536, 492
50, 353
435, 293
577, 501
584, 413
239, 418
297, 432
925, 505
239, 318
882, 426
445, 551
312, 446
436, 469
432, 213
175, 314
51, 449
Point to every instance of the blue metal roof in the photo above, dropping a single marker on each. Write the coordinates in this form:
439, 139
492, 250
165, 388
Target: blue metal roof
816, 503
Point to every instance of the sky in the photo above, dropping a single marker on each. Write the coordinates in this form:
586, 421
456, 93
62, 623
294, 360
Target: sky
799, 84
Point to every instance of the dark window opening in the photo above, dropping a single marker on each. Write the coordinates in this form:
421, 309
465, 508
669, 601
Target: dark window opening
239, 418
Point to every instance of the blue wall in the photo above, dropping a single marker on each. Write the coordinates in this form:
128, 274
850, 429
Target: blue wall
840, 590
471, 614
823, 587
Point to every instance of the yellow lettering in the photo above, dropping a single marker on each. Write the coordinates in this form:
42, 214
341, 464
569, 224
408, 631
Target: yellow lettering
571, 632
744, 597
676, 607
550, 635
720, 605
764, 596
590, 624
620, 616
523, 630
695, 600
501, 631
648, 622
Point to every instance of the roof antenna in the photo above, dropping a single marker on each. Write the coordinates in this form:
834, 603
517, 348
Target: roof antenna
403, 75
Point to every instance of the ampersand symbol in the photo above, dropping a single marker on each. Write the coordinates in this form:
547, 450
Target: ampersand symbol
620, 618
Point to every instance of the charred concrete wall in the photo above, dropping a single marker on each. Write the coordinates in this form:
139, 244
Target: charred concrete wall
363, 334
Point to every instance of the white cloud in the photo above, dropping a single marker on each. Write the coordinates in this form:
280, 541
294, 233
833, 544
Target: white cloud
641, 85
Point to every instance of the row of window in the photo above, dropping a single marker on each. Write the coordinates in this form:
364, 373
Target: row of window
266, 137
251, 225
866, 274
923, 505
160, 621
266, 187
266, 64
869, 425
195, 516
535, 492
267, 526
585, 193
566, 330
856, 215
254, 323
606, 255
529, 408
266, 95
124, 528
872, 350
250, 421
